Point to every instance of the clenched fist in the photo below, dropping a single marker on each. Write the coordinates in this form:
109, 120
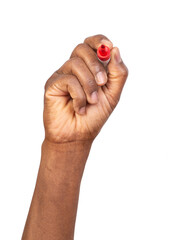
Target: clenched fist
81, 94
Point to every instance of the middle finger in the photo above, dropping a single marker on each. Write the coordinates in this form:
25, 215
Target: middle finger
89, 56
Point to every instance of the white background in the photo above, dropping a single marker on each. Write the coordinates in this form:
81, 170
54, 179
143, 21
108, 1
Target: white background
126, 188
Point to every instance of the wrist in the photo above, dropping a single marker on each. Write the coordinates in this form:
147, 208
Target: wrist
65, 147
61, 167
64, 162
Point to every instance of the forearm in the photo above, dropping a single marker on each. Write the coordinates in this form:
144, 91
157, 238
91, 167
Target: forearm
54, 205
79, 98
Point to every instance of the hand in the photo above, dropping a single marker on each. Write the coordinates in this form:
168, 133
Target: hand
80, 96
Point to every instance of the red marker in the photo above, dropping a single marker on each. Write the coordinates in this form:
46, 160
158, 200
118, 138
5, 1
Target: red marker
103, 54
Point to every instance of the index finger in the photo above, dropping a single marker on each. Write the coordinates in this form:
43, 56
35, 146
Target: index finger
97, 40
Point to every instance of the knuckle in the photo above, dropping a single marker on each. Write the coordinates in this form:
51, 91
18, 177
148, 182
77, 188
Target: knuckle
97, 66
80, 97
75, 61
80, 100
46, 85
85, 40
79, 47
104, 40
49, 82
72, 80
92, 86
101, 37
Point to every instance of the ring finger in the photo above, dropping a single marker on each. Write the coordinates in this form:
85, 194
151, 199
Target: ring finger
76, 66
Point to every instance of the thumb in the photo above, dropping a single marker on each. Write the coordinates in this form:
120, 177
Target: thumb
117, 75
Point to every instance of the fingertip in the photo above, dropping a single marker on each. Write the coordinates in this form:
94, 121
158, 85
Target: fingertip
94, 97
82, 111
101, 78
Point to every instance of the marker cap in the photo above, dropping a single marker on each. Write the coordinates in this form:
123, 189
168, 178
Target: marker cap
103, 53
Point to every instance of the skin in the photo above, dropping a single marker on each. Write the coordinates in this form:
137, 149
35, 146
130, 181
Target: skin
79, 98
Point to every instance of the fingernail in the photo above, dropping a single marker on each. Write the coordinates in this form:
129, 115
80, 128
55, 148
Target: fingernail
82, 110
94, 97
118, 56
101, 78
